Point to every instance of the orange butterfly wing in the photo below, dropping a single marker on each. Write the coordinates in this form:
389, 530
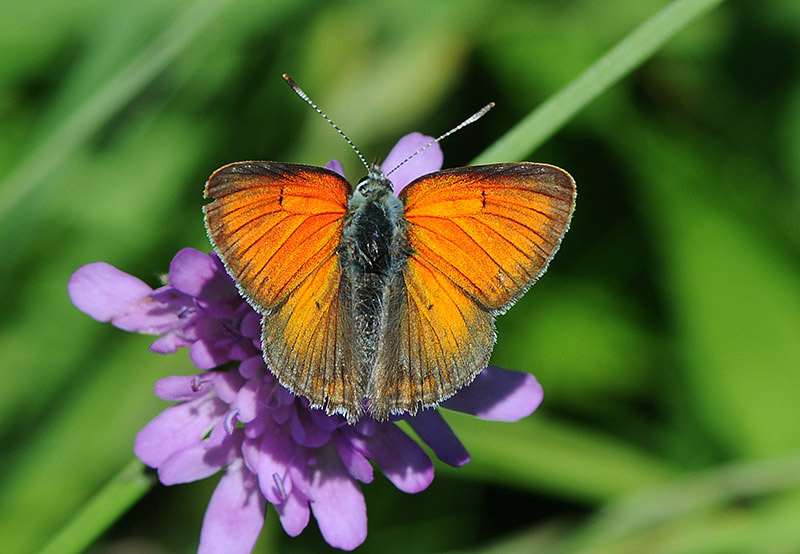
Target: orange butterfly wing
277, 227
480, 237
491, 229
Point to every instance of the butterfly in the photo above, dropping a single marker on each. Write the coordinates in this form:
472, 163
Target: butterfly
379, 303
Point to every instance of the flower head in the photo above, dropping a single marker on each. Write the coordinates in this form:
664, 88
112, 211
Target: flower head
234, 415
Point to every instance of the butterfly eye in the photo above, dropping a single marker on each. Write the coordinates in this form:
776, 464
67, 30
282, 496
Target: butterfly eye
373, 185
362, 184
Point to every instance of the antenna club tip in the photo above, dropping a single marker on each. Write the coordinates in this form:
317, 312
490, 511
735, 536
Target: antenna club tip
490, 104
288, 80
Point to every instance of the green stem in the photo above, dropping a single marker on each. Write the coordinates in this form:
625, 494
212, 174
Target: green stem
626, 56
113, 500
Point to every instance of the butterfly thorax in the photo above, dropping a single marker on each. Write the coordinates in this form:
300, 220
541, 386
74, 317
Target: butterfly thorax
374, 250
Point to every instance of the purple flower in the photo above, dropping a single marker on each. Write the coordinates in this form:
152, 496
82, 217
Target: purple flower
235, 415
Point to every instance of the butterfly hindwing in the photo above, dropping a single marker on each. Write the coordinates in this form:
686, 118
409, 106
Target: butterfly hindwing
433, 338
308, 343
277, 227
480, 236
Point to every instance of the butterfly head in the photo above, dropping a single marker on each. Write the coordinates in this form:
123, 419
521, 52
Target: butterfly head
374, 186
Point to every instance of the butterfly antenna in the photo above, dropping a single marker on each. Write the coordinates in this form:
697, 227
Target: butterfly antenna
305, 97
472, 119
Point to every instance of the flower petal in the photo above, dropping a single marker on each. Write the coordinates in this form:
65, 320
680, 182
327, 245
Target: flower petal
169, 344
174, 299
192, 271
247, 400
427, 161
251, 367
183, 387
250, 452
206, 355
337, 502
107, 294
356, 463
401, 459
198, 461
235, 514
227, 384
305, 430
336, 166
436, 433
103, 291
274, 455
294, 513
300, 471
498, 394
176, 428
251, 326
325, 421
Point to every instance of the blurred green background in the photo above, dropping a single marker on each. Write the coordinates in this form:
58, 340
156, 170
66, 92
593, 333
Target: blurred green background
666, 333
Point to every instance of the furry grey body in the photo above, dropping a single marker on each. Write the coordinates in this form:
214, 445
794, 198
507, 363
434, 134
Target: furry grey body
374, 252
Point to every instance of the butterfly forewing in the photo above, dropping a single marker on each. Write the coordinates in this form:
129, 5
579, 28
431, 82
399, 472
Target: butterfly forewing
278, 227
492, 229
274, 224
480, 236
